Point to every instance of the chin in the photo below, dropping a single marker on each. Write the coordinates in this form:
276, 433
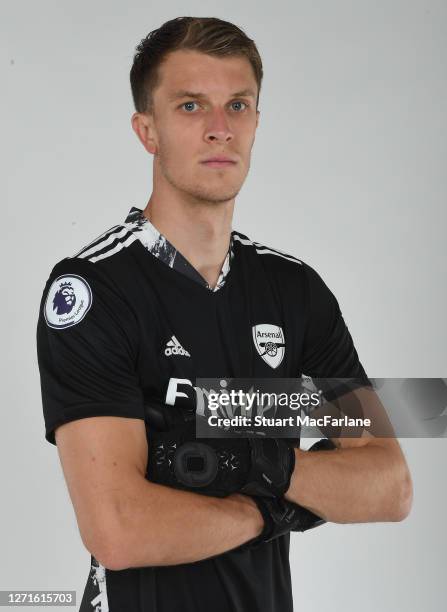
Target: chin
212, 191
214, 195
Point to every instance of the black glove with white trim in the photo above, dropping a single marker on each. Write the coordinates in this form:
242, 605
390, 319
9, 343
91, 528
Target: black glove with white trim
281, 516
261, 468
219, 466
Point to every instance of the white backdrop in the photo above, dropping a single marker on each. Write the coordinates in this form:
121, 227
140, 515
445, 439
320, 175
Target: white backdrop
348, 173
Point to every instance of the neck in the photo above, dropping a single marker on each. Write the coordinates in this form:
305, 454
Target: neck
199, 230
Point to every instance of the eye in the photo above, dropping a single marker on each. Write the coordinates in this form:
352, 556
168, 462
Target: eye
240, 102
186, 103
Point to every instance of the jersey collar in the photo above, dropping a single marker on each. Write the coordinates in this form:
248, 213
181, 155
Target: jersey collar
159, 246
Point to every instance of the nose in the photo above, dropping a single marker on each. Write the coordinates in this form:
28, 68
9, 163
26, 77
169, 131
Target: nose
218, 128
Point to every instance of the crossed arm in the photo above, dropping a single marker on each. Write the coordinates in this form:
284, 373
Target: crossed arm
126, 521
366, 479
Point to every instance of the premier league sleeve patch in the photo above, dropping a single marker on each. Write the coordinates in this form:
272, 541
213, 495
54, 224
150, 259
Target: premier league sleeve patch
68, 301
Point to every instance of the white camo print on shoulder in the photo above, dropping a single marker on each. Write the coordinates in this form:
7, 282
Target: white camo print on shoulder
68, 300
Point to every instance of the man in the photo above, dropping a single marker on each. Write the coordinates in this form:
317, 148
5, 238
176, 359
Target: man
172, 295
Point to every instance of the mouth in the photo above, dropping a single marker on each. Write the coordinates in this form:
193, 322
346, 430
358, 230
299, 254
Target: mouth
219, 163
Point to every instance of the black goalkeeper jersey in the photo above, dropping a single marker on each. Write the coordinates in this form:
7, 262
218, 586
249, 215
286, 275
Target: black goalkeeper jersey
128, 318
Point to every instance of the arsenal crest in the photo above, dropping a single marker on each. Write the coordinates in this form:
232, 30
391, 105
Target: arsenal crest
269, 342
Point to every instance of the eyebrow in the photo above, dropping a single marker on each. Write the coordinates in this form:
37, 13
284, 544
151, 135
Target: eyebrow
183, 93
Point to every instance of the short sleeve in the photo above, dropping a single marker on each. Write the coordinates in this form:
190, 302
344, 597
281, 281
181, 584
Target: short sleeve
329, 350
87, 348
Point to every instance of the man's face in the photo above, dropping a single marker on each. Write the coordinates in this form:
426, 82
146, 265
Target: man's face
210, 121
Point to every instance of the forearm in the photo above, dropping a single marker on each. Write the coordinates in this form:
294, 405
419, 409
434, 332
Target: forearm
352, 485
159, 525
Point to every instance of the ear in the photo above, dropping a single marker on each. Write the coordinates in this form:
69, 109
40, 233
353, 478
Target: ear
143, 126
257, 117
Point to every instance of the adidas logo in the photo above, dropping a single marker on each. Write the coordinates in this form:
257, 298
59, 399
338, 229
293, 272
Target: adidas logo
173, 347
